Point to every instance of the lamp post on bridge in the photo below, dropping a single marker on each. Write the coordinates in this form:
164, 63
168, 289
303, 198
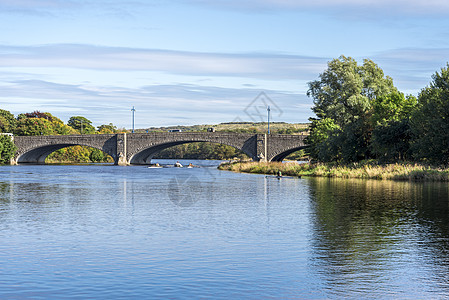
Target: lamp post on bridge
268, 111
133, 110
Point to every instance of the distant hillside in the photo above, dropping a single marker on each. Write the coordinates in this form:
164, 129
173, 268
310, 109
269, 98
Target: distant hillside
247, 127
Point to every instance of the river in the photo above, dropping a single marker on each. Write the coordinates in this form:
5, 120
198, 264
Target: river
110, 232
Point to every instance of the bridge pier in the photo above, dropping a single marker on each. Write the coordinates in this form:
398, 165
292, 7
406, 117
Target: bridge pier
121, 154
262, 147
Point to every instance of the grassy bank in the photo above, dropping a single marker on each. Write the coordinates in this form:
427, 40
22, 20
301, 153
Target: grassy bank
413, 172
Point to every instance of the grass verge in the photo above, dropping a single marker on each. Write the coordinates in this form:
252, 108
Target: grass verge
397, 171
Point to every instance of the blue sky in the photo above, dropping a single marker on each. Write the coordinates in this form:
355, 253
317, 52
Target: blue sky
185, 62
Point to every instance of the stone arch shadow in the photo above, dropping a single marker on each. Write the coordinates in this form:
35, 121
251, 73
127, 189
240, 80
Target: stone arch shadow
283, 154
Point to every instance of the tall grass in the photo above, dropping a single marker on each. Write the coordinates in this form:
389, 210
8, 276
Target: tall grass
397, 171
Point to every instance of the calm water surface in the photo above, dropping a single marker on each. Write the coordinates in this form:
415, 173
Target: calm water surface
109, 232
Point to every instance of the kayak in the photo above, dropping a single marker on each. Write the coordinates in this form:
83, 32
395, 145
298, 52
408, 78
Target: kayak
281, 177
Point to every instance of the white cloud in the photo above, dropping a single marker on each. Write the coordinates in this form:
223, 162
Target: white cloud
251, 65
156, 105
398, 7
412, 68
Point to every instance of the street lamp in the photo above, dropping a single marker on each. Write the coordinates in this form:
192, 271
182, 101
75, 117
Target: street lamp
268, 110
133, 110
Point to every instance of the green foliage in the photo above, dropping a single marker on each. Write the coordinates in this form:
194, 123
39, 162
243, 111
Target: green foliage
40, 115
81, 124
371, 114
37, 123
430, 123
391, 141
78, 154
107, 129
34, 126
201, 151
393, 107
7, 149
345, 90
322, 134
298, 155
7, 121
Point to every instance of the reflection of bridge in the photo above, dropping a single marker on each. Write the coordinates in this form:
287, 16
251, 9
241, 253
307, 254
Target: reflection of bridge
139, 148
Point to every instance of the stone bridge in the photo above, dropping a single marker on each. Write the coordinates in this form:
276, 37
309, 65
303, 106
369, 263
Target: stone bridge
140, 148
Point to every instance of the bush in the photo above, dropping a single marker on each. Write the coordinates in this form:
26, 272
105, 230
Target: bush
7, 149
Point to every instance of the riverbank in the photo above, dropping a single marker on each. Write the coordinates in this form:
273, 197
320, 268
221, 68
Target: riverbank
413, 172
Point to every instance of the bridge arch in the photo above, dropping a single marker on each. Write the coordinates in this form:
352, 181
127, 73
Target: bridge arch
40, 154
145, 155
35, 149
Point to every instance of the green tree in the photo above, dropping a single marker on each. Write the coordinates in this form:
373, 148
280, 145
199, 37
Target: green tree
430, 122
391, 141
345, 93
319, 138
7, 149
38, 123
107, 129
345, 90
393, 107
391, 136
34, 126
7, 121
81, 124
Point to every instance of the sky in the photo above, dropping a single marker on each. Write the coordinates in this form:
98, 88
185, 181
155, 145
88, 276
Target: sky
186, 62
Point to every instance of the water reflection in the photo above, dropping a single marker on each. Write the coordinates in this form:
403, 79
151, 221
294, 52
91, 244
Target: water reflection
380, 235
94, 232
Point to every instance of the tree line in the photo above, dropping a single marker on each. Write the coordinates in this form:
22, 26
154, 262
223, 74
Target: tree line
44, 123
361, 115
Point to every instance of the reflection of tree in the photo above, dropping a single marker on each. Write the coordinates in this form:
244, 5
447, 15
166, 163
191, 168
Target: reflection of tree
433, 217
39, 202
373, 235
5, 190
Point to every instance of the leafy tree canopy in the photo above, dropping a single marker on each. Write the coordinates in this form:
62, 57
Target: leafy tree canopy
38, 123
81, 124
42, 115
7, 149
393, 107
344, 99
346, 91
107, 129
34, 126
7, 121
430, 123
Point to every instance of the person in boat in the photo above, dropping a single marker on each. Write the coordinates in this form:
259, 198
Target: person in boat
279, 174
190, 165
178, 164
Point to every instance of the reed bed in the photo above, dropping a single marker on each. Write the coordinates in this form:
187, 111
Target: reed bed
397, 171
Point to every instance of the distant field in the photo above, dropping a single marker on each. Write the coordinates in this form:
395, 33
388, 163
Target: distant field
261, 127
